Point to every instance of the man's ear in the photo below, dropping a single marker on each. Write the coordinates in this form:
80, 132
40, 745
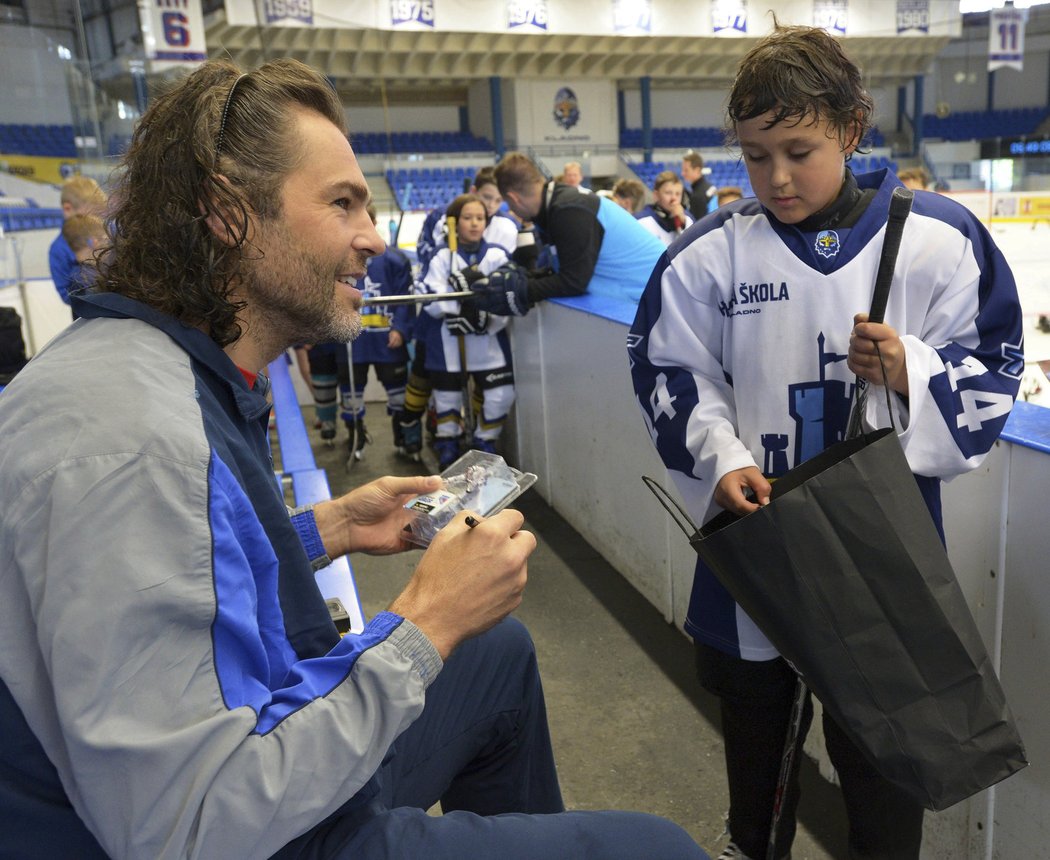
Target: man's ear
225, 213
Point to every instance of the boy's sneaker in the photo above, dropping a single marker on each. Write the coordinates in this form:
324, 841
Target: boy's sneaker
447, 450
358, 439
732, 852
411, 432
486, 445
328, 432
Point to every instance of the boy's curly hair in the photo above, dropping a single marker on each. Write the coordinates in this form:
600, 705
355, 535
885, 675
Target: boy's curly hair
174, 179
798, 74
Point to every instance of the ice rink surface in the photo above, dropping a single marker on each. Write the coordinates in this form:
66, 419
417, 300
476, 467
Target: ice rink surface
1027, 249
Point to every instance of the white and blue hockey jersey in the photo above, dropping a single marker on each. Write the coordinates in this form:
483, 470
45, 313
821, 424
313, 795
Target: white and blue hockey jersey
486, 351
662, 227
388, 274
738, 355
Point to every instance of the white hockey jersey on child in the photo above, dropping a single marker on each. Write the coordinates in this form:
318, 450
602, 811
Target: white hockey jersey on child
738, 355
486, 351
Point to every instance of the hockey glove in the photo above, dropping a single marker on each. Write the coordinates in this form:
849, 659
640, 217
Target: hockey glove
472, 320
505, 292
461, 281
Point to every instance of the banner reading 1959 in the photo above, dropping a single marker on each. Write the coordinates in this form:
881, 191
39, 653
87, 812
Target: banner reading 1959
172, 33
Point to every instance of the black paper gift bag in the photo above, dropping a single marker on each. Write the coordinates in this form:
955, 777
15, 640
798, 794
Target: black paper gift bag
846, 575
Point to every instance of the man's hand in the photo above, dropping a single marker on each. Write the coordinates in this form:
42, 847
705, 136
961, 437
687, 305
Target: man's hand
505, 292
395, 340
863, 357
461, 281
468, 579
729, 494
372, 518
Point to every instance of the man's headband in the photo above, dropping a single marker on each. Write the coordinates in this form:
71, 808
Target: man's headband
225, 112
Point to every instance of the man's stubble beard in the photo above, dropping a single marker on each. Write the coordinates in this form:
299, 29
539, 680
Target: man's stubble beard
294, 302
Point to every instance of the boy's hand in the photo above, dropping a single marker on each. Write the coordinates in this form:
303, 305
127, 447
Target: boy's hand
729, 494
863, 359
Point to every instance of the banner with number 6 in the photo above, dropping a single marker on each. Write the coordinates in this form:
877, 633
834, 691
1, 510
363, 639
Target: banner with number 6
172, 33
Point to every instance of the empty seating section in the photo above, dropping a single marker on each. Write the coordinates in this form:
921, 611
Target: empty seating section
18, 215
56, 141
732, 171
377, 143
980, 125
723, 172
675, 138
428, 188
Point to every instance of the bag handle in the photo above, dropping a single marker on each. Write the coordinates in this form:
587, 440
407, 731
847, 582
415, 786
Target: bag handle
900, 208
677, 512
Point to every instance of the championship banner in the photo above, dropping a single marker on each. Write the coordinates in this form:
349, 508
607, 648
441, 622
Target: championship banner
729, 17
527, 15
831, 15
633, 16
286, 12
913, 16
412, 14
1006, 38
172, 33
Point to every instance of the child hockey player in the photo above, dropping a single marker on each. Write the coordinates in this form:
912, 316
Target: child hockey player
502, 231
467, 340
743, 354
382, 344
665, 217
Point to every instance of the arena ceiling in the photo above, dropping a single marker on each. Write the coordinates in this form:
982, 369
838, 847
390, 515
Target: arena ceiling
424, 67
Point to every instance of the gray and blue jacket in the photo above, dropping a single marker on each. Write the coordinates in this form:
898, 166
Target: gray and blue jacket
171, 684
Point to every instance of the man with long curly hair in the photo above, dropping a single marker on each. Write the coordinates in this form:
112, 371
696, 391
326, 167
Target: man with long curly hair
172, 683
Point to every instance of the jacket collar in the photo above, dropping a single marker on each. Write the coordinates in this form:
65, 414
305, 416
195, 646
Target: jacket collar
251, 402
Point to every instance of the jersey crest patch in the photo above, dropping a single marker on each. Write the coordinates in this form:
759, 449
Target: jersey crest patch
827, 244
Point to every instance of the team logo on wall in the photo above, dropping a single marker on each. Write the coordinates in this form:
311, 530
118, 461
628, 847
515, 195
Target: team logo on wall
827, 244
566, 108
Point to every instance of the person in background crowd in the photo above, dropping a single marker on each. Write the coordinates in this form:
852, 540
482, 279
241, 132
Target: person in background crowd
665, 217
915, 178
80, 195
596, 245
467, 341
729, 193
701, 193
572, 174
629, 194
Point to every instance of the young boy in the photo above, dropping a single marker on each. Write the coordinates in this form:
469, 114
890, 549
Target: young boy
382, 344
80, 195
665, 217
743, 354
83, 234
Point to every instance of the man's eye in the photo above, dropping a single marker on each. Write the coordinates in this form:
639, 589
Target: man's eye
343, 202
